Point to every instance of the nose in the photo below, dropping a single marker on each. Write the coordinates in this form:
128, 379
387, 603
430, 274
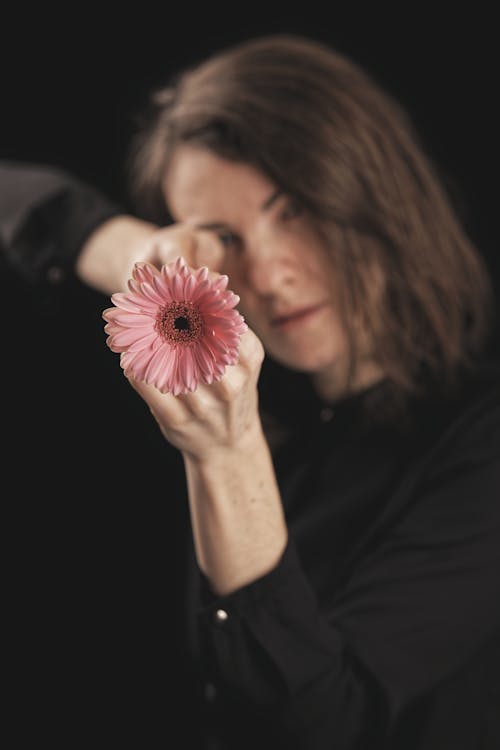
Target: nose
268, 267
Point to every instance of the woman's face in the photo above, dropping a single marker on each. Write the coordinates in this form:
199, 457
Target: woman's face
274, 258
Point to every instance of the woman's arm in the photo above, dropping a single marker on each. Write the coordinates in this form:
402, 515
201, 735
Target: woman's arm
54, 225
108, 255
236, 510
46, 216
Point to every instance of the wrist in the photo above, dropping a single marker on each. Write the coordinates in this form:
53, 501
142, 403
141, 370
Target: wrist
248, 444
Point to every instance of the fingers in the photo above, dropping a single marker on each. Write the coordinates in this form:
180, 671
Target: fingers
251, 348
151, 395
251, 353
197, 247
174, 410
213, 415
167, 409
237, 379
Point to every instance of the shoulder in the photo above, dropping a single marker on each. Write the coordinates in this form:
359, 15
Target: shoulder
476, 405
462, 432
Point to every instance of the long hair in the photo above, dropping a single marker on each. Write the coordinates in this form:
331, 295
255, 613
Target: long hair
327, 134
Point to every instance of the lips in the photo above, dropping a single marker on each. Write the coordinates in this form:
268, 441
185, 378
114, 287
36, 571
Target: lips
294, 316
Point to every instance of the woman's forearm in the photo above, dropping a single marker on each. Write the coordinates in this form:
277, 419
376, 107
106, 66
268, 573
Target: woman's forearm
237, 514
108, 256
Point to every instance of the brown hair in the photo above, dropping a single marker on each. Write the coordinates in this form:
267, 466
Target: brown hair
322, 130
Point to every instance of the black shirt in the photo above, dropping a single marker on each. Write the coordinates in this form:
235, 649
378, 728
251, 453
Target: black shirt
380, 626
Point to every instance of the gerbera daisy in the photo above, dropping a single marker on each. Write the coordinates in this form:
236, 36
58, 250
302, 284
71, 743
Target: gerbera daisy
175, 327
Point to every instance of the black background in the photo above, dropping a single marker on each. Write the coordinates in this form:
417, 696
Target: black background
92, 514
71, 84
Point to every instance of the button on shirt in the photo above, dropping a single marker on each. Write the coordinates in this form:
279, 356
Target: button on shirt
221, 615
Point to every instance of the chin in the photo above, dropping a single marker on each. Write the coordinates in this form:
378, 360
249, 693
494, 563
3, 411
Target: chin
312, 364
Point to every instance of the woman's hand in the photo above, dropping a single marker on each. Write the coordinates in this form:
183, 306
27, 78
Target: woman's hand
197, 246
215, 419
109, 254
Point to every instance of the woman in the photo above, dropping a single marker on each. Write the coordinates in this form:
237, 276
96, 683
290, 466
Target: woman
343, 476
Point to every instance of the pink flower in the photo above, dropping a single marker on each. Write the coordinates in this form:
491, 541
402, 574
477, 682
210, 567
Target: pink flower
175, 327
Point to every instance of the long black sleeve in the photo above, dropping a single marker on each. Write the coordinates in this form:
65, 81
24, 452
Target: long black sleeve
46, 215
379, 627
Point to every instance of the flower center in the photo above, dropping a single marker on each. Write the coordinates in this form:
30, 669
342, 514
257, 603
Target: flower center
180, 323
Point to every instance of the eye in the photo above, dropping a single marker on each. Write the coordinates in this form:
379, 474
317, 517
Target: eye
227, 238
290, 210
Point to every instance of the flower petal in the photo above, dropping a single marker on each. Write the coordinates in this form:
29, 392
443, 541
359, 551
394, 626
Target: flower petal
165, 377
186, 368
133, 302
157, 363
126, 319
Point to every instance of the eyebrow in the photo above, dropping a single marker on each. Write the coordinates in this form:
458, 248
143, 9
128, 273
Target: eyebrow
271, 200
264, 207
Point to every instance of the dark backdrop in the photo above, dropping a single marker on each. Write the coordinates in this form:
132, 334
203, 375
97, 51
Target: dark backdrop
92, 510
